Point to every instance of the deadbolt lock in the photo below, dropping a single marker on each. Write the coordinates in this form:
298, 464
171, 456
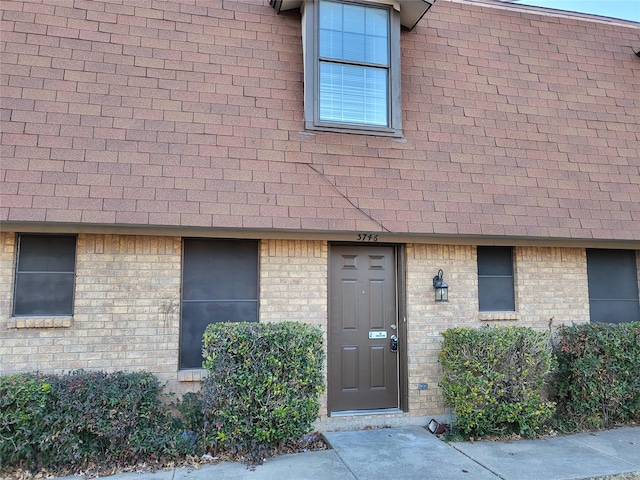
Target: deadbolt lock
394, 343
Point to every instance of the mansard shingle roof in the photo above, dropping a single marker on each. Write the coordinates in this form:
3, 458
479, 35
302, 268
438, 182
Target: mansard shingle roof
516, 124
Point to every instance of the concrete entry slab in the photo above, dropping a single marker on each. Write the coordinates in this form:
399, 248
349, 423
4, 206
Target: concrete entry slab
403, 453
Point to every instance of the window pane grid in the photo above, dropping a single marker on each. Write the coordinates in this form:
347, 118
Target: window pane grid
219, 284
354, 33
353, 94
45, 275
496, 291
353, 64
613, 286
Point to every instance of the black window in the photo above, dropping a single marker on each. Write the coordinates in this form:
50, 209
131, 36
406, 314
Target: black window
495, 279
45, 275
219, 284
613, 286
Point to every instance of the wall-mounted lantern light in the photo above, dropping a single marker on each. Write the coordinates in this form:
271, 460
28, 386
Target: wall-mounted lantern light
442, 289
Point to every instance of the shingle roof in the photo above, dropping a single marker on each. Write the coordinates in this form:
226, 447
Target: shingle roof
515, 124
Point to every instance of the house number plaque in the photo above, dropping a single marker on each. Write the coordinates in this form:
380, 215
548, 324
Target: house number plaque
367, 237
377, 334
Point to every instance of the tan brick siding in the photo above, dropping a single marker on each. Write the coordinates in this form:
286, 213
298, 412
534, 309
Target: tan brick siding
551, 286
126, 311
293, 286
293, 281
7, 265
426, 318
549, 282
128, 294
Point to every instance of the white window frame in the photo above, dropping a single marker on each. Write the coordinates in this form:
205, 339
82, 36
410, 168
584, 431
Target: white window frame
310, 32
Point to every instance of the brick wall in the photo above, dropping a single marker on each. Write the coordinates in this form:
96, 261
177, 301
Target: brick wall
126, 311
551, 286
550, 283
426, 319
293, 281
128, 294
127, 305
293, 286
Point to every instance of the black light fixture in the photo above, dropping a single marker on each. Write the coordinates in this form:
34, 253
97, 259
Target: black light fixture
442, 289
437, 427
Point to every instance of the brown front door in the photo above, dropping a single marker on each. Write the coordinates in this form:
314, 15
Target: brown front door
363, 369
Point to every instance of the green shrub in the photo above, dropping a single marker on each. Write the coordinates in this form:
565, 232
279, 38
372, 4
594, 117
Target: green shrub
118, 416
190, 408
192, 422
23, 406
263, 384
56, 421
494, 379
598, 380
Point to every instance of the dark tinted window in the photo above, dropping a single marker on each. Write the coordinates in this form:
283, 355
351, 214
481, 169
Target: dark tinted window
45, 275
613, 286
495, 279
219, 284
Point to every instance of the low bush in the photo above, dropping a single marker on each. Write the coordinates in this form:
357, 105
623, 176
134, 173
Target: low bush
192, 421
598, 381
494, 379
23, 407
263, 385
82, 418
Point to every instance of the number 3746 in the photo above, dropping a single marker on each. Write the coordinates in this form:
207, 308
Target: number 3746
367, 237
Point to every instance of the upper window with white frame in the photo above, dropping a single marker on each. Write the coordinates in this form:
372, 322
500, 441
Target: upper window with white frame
352, 67
45, 275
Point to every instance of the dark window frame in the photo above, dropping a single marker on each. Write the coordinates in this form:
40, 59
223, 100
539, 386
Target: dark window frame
312, 75
612, 277
207, 289
35, 277
496, 269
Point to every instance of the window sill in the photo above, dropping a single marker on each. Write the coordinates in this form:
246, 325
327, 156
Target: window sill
40, 322
498, 316
192, 375
347, 128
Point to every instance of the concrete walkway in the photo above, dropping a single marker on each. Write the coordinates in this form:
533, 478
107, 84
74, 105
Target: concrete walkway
569, 457
409, 453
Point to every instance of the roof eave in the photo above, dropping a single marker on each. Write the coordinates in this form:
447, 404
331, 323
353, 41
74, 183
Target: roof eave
411, 11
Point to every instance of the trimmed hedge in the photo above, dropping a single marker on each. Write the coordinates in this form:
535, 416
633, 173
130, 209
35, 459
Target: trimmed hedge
494, 379
23, 407
70, 421
598, 380
263, 385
